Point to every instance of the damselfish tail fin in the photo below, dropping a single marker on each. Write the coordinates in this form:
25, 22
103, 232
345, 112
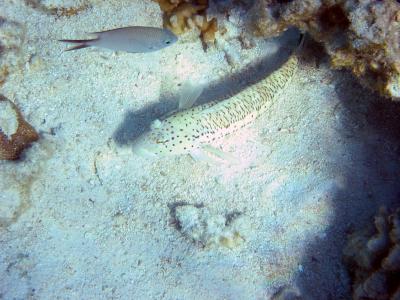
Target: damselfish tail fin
301, 42
77, 47
82, 43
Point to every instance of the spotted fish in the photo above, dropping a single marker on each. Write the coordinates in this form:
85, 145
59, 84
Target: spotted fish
195, 130
134, 39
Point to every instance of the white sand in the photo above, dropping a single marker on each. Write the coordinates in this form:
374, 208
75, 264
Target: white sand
83, 218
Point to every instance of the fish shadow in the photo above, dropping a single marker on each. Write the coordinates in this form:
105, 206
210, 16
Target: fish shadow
136, 122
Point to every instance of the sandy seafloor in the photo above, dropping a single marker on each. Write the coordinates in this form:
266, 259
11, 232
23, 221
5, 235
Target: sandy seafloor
82, 217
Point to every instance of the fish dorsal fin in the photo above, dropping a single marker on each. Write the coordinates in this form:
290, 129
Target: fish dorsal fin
189, 94
156, 124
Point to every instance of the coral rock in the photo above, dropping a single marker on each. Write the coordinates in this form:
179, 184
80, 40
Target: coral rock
361, 35
15, 133
59, 8
373, 257
374, 287
181, 16
207, 229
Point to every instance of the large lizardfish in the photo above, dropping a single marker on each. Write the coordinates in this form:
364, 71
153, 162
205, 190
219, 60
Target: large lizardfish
197, 130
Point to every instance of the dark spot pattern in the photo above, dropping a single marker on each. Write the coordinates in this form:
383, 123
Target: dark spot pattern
206, 123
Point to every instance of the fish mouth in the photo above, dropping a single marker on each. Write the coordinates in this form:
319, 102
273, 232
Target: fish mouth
144, 148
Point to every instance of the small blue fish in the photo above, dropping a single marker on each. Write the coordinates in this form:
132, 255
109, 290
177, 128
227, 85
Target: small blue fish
134, 39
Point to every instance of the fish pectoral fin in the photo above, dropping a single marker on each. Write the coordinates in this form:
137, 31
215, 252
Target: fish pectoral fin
156, 124
213, 156
200, 155
218, 153
189, 94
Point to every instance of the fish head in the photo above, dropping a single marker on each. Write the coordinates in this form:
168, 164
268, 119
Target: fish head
168, 137
170, 37
166, 39
153, 142
144, 146
148, 144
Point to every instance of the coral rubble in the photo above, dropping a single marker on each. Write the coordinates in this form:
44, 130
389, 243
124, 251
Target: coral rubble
15, 133
67, 9
12, 35
207, 229
361, 35
373, 257
181, 16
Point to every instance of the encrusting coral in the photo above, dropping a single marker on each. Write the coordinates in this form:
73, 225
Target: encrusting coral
373, 258
15, 133
181, 16
361, 35
207, 229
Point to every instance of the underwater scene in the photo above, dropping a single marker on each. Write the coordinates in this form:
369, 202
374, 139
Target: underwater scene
200, 149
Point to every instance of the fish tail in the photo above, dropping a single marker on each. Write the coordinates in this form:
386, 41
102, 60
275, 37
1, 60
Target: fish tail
77, 47
83, 43
300, 46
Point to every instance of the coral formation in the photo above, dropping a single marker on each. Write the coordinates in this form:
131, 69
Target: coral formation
15, 133
373, 257
181, 16
68, 11
56, 9
207, 229
3, 74
361, 35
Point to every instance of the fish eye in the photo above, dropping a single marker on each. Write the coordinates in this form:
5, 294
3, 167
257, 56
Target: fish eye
167, 42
